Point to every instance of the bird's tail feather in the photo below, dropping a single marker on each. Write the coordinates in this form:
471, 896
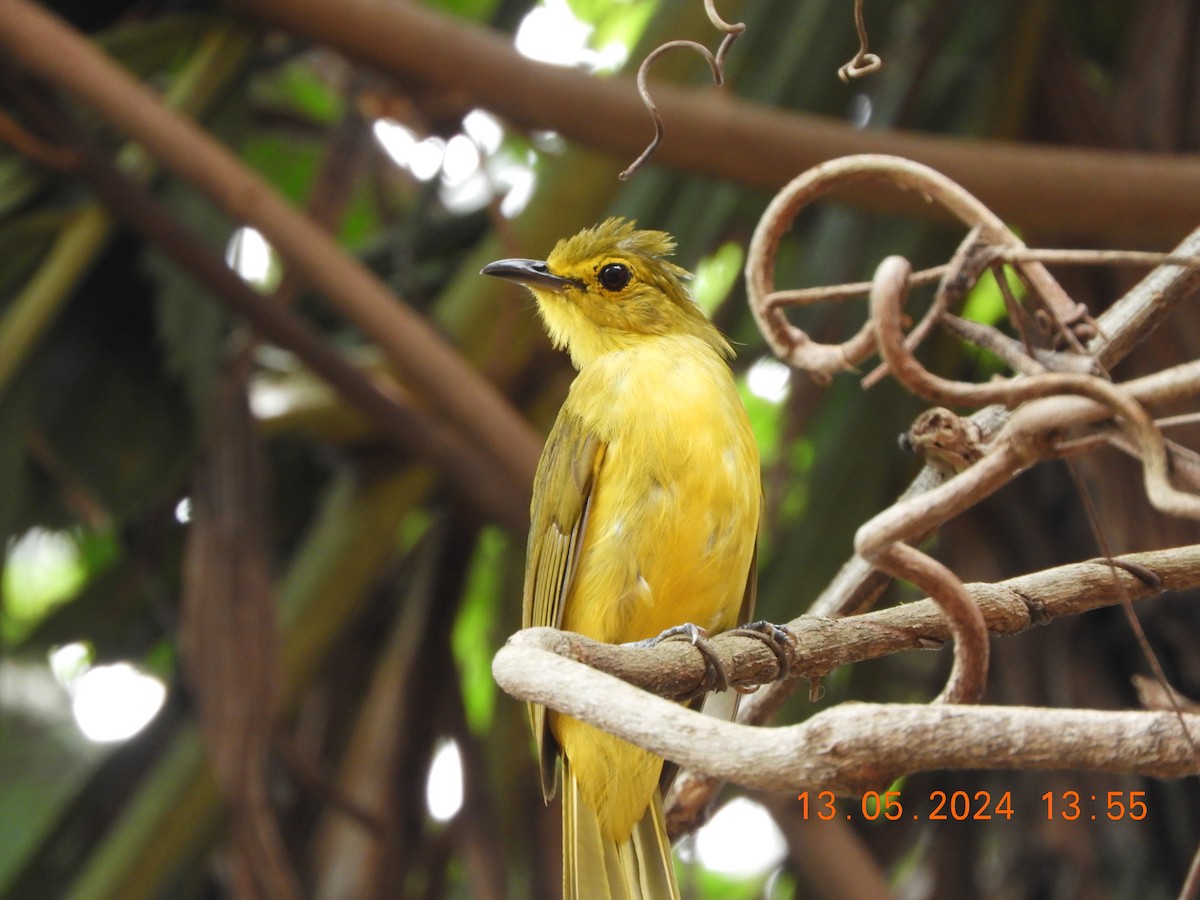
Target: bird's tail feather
594, 868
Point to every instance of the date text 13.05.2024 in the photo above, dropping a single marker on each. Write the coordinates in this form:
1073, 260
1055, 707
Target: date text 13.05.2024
961, 806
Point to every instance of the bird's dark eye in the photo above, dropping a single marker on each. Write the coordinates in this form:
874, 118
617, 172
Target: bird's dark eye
614, 276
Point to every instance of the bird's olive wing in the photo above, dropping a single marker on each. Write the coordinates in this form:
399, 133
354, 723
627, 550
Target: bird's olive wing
750, 593
562, 495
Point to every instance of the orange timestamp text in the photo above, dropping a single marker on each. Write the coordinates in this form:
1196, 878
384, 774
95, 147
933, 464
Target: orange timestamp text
977, 806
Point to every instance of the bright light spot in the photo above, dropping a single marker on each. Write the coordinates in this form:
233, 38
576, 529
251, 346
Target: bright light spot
183, 511
43, 568
461, 160
550, 33
249, 254
396, 140
467, 196
769, 378
612, 56
521, 182
40, 548
69, 662
457, 161
484, 129
270, 401
113, 703
444, 789
741, 839
548, 142
425, 160
861, 109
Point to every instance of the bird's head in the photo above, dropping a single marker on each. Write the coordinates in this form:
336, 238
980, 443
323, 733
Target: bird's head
608, 288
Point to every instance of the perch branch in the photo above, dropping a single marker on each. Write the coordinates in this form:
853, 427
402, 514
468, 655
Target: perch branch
853, 746
674, 669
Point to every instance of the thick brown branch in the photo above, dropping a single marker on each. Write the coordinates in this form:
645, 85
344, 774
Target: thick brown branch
1080, 192
853, 746
1135, 316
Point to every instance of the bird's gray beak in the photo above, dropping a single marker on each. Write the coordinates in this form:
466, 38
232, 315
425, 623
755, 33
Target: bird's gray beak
529, 272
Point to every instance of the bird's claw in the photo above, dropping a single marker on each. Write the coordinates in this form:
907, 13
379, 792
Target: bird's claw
778, 640
715, 678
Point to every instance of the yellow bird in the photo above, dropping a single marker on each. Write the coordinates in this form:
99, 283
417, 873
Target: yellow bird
645, 516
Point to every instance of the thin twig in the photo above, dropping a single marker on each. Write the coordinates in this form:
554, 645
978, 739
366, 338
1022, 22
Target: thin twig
715, 62
821, 361
886, 313
1012, 352
1143, 258
1023, 358
29, 145
864, 63
955, 280
834, 292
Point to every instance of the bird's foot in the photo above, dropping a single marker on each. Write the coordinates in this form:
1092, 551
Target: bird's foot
778, 640
714, 671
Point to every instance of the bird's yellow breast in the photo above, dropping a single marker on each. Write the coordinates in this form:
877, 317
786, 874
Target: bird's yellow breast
670, 534
674, 514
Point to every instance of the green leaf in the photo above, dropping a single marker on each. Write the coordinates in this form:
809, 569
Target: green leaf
474, 631
299, 88
43, 569
289, 165
985, 302
764, 421
624, 24
716, 275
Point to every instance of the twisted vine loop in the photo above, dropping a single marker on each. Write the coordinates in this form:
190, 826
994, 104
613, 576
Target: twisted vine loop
864, 63
716, 63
